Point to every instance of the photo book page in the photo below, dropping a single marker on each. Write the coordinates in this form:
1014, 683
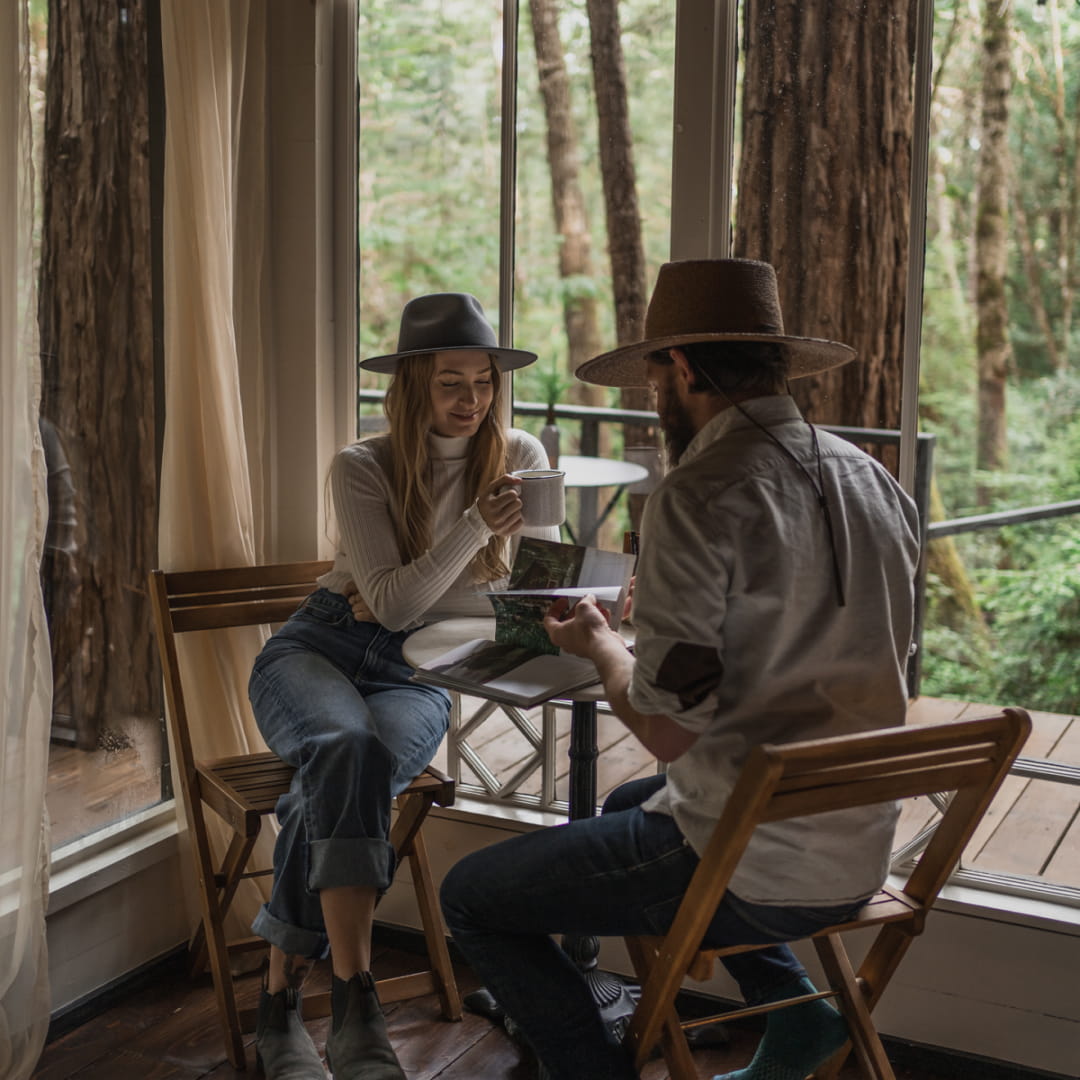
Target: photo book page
520, 665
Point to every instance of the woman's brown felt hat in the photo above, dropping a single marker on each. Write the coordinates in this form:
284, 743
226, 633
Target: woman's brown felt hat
713, 300
446, 322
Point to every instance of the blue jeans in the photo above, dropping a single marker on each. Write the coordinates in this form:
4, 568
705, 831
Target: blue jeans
622, 873
332, 697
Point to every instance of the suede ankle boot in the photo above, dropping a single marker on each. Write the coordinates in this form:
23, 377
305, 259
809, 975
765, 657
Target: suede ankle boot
283, 1048
358, 1047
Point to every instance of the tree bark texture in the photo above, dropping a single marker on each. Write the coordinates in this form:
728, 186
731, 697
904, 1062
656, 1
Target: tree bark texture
991, 241
567, 200
824, 183
97, 359
625, 247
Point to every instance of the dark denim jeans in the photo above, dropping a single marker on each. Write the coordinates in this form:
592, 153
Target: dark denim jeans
332, 697
624, 872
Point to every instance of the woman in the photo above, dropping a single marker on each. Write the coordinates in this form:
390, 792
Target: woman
425, 514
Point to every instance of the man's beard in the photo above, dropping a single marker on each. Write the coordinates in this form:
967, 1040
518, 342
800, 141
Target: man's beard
677, 427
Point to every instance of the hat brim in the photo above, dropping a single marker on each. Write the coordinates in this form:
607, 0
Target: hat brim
625, 366
505, 359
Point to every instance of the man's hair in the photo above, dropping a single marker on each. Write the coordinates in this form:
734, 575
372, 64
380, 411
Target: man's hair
743, 366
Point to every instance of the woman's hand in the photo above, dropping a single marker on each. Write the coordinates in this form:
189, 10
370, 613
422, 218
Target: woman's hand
361, 612
500, 505
629, 600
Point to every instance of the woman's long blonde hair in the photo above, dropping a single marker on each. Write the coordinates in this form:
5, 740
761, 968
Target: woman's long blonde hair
407, 405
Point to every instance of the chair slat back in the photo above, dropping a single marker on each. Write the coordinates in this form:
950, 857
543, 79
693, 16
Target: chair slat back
836, 774
967, 757
193, 600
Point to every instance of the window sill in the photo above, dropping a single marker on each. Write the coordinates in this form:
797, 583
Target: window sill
95, 862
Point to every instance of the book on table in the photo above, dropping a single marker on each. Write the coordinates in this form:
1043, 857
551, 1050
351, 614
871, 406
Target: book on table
521, 666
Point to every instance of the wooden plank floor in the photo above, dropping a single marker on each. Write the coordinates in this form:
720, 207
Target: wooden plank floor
168, 1030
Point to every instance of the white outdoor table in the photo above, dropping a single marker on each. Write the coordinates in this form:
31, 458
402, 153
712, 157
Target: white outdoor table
592, 473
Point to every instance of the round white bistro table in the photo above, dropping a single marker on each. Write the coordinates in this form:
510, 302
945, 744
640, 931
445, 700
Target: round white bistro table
591, 473
436, 638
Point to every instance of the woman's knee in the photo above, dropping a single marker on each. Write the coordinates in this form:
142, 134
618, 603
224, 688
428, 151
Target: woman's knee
343, 755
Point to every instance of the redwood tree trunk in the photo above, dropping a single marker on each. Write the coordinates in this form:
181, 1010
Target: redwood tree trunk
991, 241
623, 218
97, 359
568, 202
823, 187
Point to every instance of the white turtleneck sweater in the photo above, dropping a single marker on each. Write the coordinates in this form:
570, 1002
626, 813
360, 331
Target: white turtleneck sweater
438, 584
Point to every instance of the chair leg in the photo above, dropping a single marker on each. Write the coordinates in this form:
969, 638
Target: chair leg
434, 935
676, 1049
232, 866
213, 920
864, 1036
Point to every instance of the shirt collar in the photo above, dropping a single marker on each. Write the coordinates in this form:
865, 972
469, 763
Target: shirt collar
769, 410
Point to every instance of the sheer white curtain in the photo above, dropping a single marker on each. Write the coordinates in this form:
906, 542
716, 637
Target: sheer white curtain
25, 664
216, 340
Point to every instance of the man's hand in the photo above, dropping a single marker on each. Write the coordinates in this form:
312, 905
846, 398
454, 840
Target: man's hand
582, 630
585, 632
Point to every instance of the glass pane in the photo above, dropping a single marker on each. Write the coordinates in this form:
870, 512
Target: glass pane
1000, 392
566, 293
429, 183
97, 417
428, 95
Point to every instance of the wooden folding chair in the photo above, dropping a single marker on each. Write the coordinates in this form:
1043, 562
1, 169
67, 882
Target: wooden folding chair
968, 758
243, 790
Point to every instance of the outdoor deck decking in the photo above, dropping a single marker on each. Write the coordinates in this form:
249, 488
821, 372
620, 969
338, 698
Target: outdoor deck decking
1033, 827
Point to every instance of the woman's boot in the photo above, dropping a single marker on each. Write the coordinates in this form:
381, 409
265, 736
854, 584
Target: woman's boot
283, 1048
358, 1047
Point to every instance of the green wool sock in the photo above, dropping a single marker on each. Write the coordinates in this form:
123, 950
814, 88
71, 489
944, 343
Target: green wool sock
796, 1040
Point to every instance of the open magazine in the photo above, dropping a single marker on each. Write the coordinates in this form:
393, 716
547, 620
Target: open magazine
521, 666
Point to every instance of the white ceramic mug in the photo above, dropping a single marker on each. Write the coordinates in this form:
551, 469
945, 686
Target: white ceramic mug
543, 497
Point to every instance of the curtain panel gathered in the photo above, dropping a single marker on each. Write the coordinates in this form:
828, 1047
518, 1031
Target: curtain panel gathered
216, 342
25, 662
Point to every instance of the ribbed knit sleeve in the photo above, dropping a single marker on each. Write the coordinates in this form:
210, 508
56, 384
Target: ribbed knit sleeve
400, 595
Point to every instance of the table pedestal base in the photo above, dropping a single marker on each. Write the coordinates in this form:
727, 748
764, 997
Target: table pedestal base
614, 998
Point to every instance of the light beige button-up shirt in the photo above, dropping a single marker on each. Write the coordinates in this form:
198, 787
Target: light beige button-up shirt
740, 636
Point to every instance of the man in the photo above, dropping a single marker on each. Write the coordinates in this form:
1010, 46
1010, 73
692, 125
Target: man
773, 602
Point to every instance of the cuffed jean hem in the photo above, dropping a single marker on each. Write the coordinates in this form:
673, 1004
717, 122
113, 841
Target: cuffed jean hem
291, 940
364, 861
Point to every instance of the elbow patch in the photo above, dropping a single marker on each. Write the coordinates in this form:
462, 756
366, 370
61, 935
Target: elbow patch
690, 672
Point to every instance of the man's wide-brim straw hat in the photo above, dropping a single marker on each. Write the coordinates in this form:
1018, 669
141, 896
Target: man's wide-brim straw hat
713, 300
446, 322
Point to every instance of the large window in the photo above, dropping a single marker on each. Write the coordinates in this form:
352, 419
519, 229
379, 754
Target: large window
98, 419
472, 181
495, 142
1000, 391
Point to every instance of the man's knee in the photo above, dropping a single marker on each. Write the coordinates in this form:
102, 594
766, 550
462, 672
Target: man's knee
454, 893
